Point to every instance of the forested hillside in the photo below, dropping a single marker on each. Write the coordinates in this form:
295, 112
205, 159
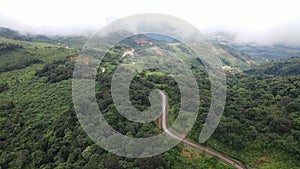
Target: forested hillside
39, 127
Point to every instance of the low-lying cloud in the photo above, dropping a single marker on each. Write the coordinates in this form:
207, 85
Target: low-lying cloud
251, 21
285, 32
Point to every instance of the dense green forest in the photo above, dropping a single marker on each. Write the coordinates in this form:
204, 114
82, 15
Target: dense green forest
39, 127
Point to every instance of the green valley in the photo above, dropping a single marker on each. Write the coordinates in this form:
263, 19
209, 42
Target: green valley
39, 127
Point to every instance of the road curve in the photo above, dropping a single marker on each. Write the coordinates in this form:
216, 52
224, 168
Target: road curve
197, 146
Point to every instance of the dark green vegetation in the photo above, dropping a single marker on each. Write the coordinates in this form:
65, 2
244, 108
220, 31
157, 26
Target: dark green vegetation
39, 128
260, 123
280, 68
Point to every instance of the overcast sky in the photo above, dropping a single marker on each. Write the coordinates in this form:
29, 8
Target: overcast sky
253, 20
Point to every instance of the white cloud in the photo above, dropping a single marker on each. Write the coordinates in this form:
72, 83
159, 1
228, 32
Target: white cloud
250, 18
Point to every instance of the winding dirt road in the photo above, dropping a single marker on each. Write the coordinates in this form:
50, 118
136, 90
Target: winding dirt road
206, 150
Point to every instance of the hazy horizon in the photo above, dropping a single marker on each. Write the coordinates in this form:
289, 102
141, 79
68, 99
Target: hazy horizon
251, 21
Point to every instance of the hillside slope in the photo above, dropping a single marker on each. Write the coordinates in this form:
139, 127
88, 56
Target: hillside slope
39, 127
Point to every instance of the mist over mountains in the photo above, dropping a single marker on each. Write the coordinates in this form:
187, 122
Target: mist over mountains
258, 50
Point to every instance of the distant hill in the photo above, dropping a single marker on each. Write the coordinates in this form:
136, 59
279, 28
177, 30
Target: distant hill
77, 41
268, 52
231, 58
161, 38
15, 35
259, 52
12, 34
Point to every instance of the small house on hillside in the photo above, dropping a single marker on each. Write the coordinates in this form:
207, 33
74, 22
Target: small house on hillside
128, 52
74, 58
85, 60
